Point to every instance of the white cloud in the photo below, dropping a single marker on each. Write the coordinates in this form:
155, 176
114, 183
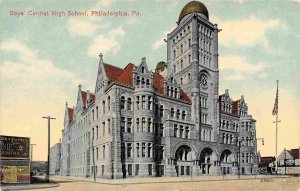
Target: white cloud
31, 87
80, 27
160, 42
110, 42
246, 32
103, 3
239, 67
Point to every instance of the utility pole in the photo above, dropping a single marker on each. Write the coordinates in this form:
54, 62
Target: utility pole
48, 160
31, 151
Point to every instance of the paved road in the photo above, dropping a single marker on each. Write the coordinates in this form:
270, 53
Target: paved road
260, 184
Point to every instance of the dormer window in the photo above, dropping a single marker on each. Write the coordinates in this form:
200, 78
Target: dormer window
176, 93
147, 82
172, 112
143, 70
138, 80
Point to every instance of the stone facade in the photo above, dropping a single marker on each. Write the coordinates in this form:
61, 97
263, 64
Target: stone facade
55, 159
171, 122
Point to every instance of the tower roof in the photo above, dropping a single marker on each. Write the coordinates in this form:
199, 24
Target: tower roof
193, 7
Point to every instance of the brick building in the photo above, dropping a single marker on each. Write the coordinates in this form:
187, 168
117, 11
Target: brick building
171, 122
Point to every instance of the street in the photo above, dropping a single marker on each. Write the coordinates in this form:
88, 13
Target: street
166, 184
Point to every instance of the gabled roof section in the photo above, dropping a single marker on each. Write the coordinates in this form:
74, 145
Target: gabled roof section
294, 153
84, 97
71, 114
112, 72
125, 77
235, 109
158, 83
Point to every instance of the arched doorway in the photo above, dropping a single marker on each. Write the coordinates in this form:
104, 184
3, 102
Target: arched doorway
226, 160
207, 159
183, 160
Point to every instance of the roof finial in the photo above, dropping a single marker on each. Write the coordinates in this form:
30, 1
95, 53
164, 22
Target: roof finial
101, 58
79, 86
66, 104
144, 60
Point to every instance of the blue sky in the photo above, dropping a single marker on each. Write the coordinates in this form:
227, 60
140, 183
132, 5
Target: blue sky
43, 59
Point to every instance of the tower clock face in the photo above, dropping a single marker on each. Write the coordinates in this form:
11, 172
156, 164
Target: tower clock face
203, 80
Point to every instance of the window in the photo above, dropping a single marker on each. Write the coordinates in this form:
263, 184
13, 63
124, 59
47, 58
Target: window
97, 131
103, 151
122, 103
161, 111
147, 82
137, 102
137, 124
137, 150
162, 130
149, 102
93, 133
183, 115
149, 124
122, 125
190, 59
189, 41
97, 153
143, 70
181, 81
138, 80
93, 113
189, 76
187, 132
143, 149
174, 68
143, 102
172, 112
174, 53
103, 128
108, 124
129, 124
129, 103
143, 124
149, 149
129, 150
175, 130
177, 113
108, 104
181, 64
103, 106
97, 112
181, 49
181, 131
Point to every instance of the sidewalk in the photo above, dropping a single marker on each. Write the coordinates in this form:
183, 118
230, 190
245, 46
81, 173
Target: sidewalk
147, 180
28, 186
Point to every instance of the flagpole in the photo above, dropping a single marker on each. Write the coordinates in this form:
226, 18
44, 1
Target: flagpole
277, 121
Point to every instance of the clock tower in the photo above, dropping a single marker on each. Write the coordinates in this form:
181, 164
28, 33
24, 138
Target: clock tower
192, 55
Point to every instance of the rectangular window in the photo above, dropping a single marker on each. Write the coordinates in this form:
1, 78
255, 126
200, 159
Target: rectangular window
137, 166
150, 169
108, 124
137, 102
143, 102
103, 152
149, 103
103, 128
122, 125
129, 124
129, 150
129, 169
149, 149
162, 130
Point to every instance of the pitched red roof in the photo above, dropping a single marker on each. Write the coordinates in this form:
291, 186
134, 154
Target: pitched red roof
124, 76
92, 97
71, 113
84, 97
295, 153
112, 72
235, 110
158, 83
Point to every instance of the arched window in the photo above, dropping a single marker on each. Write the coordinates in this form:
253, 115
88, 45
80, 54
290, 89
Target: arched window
172, 112
176, 93
143, 124
149, 124
183, 115
137, 124
147, 82
108, 104
138, 80
177, 113
143, 81
129, 103
93, 113
97, 112
103, 106
143, 70
122, 103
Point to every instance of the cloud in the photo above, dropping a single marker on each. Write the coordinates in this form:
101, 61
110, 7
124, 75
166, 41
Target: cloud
110, 42
80, 27
246, 32
160, 42
31, 87
239, 67
103, 3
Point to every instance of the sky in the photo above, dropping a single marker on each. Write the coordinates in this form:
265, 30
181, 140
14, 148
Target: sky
44, 58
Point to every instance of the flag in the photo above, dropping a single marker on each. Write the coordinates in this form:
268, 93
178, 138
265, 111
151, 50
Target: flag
275, 109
